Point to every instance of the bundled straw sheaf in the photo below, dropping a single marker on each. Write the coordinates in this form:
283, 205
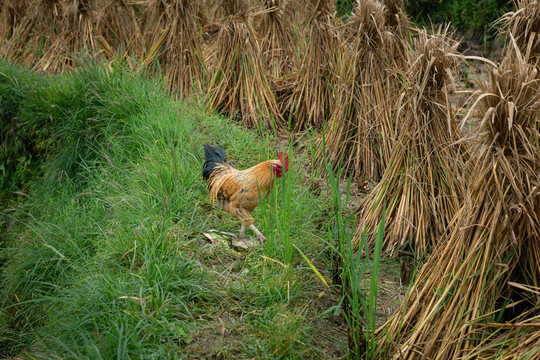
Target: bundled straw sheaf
70, 26
396, 19
312, 100
399, 25
278, 46
48, 34
422, 186
239, 85
279, 50
360, 133
11, 14
117, 29
300, 16
478, 296
172, 34
523, 25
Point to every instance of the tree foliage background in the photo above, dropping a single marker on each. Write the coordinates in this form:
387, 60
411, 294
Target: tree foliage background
473, 18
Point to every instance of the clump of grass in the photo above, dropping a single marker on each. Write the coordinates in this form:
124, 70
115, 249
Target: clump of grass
91, 260
422, 187
81, 112
480, 288
239, 85
25, 145
360, 134
280, 213
313, 99
358, 306
172, 32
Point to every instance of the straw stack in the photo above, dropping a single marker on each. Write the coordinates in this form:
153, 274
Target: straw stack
478, 296
11, 14
117, 29
172, 35
523, 25
278, 46
422, 186
51, 31
239, 84
313, 97
361, 131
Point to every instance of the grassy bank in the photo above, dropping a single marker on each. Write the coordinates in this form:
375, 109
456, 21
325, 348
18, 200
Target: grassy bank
101, 248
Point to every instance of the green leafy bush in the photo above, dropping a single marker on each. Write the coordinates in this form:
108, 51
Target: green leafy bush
471, 17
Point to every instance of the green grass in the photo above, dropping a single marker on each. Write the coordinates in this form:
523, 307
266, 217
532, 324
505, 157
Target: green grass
102, 254
352, 266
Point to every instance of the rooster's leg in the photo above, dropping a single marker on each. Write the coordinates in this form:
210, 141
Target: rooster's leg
259, 234
249, 223
241, 232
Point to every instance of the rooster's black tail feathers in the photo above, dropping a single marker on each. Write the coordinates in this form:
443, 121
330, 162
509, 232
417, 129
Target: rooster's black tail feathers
212, 156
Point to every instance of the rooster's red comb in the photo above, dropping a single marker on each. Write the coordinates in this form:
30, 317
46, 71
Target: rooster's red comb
284, 160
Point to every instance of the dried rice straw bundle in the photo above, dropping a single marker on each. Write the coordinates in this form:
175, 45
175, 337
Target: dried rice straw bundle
278, 46
117, 29
35, 29
71, 30
204, 14
210, 30
282, 89
49, 35
478, 296
279, 49
313, 100
11, 14
504, 341
396, 19
362, 123
524, 26
239, 85
172, 33
300, 15
421, 188
399, 25
210, 34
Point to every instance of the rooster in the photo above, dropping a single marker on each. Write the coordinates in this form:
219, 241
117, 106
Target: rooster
239, 192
